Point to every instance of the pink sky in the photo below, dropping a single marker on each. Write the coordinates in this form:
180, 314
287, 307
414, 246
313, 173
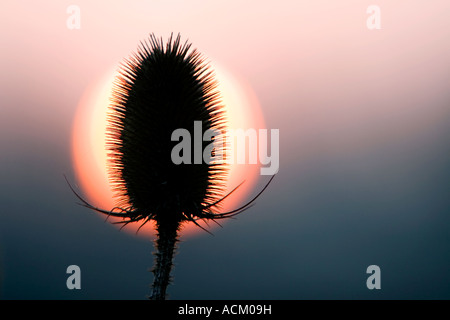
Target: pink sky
312, 59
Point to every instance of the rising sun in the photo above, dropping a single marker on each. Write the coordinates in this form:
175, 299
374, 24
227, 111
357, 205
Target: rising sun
90, 156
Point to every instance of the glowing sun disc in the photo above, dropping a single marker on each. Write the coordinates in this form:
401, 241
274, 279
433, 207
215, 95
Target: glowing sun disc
90, 157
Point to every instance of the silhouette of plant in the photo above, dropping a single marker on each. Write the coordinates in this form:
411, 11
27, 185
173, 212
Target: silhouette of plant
160, 89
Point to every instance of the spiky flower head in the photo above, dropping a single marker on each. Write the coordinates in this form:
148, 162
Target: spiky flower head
159, 89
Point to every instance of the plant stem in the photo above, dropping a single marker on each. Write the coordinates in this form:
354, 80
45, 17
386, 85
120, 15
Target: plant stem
165, 247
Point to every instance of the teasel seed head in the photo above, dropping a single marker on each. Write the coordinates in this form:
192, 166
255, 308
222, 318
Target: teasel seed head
159, 89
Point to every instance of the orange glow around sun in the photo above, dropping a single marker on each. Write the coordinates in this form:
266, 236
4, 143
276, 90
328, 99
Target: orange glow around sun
90, 157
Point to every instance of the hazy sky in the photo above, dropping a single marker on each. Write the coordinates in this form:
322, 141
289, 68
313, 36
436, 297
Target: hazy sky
364, 179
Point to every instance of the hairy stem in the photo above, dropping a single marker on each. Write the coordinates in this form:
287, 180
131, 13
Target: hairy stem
165, 247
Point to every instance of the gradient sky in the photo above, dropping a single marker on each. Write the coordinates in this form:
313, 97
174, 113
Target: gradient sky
364, 120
